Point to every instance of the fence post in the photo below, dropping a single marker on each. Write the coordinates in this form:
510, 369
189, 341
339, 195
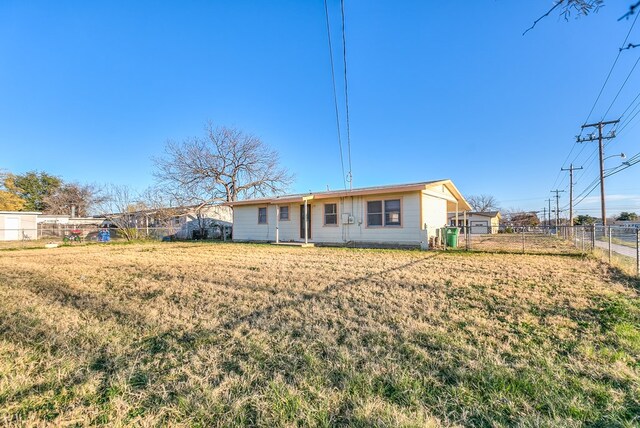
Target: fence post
583, 239
609, 234
593, 237
523, 240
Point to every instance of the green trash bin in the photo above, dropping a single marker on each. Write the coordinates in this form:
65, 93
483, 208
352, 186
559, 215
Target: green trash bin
452, 236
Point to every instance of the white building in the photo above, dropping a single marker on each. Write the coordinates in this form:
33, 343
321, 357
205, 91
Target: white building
395, 215
478, 222
17, 225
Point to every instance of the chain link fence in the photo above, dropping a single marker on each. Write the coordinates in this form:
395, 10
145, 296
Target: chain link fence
60, 234
618, 245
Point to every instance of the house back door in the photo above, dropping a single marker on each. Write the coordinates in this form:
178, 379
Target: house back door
302, 221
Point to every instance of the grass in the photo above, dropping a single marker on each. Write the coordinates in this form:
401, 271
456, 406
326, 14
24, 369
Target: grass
235, 335
531, 243
619, 241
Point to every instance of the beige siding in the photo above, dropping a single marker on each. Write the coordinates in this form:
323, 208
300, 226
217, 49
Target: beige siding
218, 212
246, 227
434, 213
413, 217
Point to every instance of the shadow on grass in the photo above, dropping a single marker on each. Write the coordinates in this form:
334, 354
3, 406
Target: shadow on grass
322, 294
462, 251
425, 369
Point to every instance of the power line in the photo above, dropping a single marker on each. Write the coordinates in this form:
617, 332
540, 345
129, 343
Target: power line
595, 103
615, 61
346, 92
335, 94
628, 121
601, 138
628, 164
622, 87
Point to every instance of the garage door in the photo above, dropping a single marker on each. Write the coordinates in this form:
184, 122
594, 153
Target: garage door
479, 227
11, 228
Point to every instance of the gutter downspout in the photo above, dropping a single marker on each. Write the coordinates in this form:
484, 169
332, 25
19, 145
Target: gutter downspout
306, 223
277, 224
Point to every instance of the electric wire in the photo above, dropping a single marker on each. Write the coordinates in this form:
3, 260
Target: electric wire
346, 91
335, 94
615, 61
595, 103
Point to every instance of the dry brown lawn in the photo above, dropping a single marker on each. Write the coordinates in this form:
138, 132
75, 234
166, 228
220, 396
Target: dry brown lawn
235, 334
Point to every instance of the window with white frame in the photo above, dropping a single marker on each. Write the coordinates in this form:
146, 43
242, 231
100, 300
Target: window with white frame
262, 215
284, 213
331, 214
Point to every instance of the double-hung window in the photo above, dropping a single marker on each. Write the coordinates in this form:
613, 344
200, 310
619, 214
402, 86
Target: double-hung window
331, 214
374, 213
392, 212
284, 213
384, 213
262, 215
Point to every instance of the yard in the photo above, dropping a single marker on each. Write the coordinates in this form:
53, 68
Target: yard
203, 334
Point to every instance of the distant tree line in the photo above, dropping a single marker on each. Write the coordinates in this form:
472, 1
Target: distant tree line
43, 192
225, 165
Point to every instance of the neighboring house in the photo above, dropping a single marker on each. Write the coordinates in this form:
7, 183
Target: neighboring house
625, 223
17, 225
396, 215
183, 222
68, 220
60, 225
477, 222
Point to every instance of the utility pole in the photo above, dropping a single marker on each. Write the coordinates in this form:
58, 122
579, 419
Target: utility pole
557, 192
570, 169
544, 216
600, 138
549, 221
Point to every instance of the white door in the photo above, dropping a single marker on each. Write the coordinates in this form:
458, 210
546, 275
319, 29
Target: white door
11, 228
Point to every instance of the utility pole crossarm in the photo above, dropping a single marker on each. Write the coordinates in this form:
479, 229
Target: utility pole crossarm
571, 183
592, 125
557, 192
600, 139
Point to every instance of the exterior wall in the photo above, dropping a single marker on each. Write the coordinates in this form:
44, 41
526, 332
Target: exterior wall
27, 226
246, 227
489, 224
416, 210
219, 212
495, 224
434, 214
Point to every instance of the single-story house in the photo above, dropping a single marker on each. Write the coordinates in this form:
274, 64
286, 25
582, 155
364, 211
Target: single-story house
394, 215
17, 225
182, 222
477, 222
60, 225
67, 220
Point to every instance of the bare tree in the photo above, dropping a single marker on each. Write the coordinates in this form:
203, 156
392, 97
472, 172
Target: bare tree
78, 200
225, 166
570, 7
119, 207
483, 203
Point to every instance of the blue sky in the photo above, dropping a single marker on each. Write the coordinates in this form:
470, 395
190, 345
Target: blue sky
91, 91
